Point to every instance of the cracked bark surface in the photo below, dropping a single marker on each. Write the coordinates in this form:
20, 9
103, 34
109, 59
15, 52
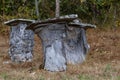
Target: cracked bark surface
75, 45
62, 45
52, 39
21, 42
63, 42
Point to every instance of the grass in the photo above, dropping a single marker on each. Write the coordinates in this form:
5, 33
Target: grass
102, 62
4, 76
85, 77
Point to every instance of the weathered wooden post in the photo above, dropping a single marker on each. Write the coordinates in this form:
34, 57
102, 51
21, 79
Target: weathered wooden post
21, 40
53, 35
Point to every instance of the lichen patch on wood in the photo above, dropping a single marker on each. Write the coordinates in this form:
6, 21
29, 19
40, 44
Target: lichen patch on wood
21, 40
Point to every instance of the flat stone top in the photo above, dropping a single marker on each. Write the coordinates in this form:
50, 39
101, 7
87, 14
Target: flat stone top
61, 19
14, 22
82, 25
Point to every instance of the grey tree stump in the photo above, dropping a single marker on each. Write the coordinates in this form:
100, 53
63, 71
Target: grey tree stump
63, 42
21, 40
76, 46
52, 39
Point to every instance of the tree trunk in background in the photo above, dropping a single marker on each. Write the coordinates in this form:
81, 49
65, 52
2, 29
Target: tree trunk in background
57, 14
37, 9
3, 3
114, 18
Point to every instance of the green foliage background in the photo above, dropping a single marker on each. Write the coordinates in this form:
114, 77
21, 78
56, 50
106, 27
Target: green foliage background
100, 12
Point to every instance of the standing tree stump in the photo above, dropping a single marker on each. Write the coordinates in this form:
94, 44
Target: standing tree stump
21, 40
63, 42
52, 36
76, 46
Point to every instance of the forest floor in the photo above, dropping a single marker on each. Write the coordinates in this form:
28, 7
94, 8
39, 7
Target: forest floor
102, 61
